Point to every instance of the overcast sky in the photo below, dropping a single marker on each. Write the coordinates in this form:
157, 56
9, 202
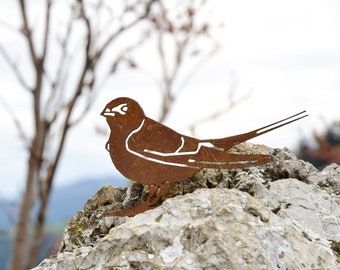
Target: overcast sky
283, 55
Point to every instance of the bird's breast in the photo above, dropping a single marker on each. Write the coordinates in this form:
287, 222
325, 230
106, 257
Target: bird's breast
146, 171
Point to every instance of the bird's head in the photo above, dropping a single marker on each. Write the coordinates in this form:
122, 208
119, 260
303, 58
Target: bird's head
123, 111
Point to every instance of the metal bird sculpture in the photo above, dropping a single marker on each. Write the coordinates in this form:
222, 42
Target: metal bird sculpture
150, 153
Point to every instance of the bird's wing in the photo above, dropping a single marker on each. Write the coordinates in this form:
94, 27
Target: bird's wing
156, 138
155, 142
169, 147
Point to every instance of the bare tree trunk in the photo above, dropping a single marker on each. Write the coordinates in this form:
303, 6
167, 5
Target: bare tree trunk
38, 232
56, 111
45, 184
22, 228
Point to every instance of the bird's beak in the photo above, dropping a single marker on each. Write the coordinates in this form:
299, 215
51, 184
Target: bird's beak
103, 112
107, 112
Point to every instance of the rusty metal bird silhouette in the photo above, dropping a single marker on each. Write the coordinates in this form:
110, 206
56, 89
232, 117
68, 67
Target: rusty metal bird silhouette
150, 153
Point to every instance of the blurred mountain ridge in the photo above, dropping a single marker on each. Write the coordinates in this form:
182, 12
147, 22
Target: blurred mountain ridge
65, 200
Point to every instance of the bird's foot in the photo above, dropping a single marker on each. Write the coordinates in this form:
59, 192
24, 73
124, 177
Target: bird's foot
151, 202
131, 211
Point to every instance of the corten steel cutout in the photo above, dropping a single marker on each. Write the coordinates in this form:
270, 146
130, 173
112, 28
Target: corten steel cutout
152, 154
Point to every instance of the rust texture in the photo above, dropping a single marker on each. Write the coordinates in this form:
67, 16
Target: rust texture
150, 153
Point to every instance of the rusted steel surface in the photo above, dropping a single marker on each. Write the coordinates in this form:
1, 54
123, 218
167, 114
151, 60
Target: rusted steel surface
150, 153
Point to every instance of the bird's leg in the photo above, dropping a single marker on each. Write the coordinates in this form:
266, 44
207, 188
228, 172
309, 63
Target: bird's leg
152, 192
162, 190
150, 202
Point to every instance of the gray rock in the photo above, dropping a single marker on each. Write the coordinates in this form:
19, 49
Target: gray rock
283, 215
328, 179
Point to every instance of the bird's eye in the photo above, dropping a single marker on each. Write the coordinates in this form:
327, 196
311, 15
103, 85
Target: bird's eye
124, 109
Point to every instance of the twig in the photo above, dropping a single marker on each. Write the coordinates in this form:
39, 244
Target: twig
16, 122
15, 69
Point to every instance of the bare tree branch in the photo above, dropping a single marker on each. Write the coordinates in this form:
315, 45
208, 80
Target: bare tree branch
16, 122
123, 28
15, 69
26, 30
177, 43
47, 29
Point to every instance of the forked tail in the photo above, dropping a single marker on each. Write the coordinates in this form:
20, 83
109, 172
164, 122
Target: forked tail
233, 140
281, 123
